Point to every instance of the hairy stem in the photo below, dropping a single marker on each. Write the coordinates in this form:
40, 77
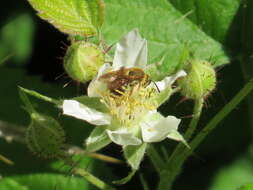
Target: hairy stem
174, 165
92, 179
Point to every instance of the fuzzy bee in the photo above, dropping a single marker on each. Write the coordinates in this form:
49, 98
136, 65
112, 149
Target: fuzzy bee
117, 80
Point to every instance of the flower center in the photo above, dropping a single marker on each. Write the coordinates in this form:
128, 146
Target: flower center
130, 103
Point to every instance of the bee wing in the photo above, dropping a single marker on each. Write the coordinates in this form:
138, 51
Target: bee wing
108, 77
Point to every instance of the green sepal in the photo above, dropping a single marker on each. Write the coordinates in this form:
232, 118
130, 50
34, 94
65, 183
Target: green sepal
175, 135
81, 17
28, 105
134, 154
125, 179
44, 136
92, 102
97, 139
163, 96
39, 96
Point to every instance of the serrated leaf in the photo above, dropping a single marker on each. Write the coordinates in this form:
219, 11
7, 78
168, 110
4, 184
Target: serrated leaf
135, 154
97, 139
165, 28
78, 17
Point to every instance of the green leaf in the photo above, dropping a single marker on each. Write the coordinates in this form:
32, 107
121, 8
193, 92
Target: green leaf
233, 175
10, 184
165, 28
135, 154
51, 181
81, 17
213, 17
97, 139
247, 187
16, 39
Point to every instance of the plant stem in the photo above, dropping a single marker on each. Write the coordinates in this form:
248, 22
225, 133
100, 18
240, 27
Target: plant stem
172, 164
174, 167
196, 115
144, 182
155, 158
92, 179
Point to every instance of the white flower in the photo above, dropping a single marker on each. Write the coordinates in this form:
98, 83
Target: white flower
131, 116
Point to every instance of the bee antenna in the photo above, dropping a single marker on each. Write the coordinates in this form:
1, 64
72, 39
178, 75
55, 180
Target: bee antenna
156, 87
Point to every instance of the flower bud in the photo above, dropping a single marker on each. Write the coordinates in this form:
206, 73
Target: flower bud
82, 61
200, 80
45, 136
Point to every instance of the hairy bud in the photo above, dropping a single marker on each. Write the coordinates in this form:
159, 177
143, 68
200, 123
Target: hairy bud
82, 61
200, 80
45, 136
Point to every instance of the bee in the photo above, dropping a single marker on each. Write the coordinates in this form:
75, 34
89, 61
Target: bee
117, 80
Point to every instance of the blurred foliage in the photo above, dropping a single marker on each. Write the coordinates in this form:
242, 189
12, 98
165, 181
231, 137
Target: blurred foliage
234, 175
247, 187
16, 39
220, 30
43, 182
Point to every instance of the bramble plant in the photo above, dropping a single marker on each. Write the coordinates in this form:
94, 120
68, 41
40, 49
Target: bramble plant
126, 88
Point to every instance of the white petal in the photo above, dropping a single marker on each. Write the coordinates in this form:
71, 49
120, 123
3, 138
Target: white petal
80, 111
123, 137
95, 85
131, 51
156, 131
168, 81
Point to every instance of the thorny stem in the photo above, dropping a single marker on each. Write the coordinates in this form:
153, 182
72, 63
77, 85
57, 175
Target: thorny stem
85, 174
194, 122
92, 179
173, 168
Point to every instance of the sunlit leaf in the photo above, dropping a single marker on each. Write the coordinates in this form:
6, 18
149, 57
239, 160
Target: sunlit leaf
16, 39
81, 17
